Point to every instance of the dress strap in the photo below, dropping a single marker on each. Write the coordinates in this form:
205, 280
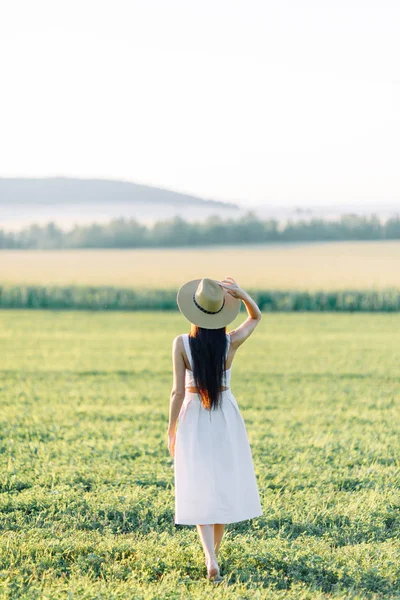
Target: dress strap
186, 344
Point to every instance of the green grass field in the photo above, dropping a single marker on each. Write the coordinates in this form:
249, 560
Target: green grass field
87, 499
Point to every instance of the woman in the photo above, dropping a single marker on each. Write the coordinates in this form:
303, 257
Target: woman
215, 483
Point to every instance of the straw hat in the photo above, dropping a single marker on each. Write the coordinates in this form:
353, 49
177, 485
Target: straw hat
204, 302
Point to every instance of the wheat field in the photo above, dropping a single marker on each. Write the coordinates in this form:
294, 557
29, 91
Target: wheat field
308, 266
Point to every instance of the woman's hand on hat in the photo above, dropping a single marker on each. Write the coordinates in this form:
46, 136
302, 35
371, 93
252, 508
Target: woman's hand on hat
232, 288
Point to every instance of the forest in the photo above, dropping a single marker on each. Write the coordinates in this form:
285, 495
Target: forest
177, 232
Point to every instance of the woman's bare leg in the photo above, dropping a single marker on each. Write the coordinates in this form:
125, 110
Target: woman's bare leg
206, 533
219, 529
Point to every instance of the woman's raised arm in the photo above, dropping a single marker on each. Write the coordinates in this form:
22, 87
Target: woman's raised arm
241, 333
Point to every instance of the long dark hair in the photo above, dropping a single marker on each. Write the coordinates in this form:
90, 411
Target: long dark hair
208, 348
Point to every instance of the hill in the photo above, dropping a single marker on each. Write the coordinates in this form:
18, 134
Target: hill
65, 190
67, 201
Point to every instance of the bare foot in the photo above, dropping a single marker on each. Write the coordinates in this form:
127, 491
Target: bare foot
213, 569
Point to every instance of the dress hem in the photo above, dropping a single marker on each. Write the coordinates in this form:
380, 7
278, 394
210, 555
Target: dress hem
214, 521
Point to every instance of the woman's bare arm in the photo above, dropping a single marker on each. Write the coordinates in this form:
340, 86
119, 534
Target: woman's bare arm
241, 333
178, 387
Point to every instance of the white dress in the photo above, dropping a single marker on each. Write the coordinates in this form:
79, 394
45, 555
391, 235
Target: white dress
214, 473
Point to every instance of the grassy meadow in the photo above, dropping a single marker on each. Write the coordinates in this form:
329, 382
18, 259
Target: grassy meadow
87, 499
289, 266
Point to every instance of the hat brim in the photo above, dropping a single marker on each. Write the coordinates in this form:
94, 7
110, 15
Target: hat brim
196, 316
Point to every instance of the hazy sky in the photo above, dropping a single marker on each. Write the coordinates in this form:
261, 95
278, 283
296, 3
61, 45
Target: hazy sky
253, 101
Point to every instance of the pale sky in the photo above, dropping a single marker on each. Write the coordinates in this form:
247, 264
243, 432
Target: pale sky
254, 101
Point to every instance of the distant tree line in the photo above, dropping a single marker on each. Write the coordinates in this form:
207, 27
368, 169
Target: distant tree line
112, 298
176, 232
